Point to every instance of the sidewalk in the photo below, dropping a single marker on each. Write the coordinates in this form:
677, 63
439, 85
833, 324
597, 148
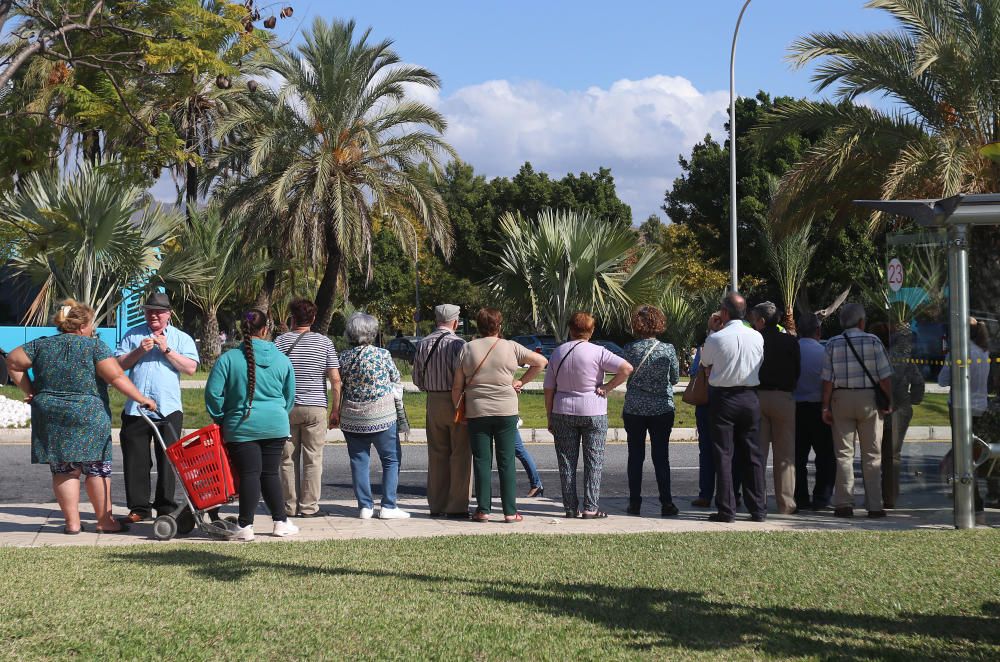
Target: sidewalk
14, 436
40, 525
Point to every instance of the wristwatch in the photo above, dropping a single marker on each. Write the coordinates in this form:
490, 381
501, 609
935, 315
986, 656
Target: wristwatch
167, 351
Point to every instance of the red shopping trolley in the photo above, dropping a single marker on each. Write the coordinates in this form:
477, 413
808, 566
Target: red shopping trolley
202, 467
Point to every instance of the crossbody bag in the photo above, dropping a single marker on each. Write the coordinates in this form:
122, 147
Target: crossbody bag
882, 399
460, 408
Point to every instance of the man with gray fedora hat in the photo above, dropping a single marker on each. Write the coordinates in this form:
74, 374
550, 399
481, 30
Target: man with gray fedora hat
449, 457
154, 354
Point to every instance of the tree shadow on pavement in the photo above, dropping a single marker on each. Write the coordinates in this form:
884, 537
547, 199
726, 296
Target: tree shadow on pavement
658, 620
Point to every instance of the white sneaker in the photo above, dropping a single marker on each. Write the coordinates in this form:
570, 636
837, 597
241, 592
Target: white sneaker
286, 528
392, 513
242, 533
366, 513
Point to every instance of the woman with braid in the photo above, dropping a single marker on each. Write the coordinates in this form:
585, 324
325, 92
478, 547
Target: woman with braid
249, 393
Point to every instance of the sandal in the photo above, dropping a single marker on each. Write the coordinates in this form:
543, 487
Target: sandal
122, 528
511, 519
72, 532
480, 516
597, 514
572, 514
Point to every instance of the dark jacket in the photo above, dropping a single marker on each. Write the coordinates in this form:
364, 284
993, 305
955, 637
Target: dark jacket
782, 361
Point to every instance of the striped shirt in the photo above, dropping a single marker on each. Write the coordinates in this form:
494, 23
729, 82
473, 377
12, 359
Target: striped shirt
312, 357
842, 368
440, 373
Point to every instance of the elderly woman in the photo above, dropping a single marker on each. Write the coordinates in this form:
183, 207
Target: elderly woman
70, 416
367, 415
250, 392
649, 406
577, 407
485, 385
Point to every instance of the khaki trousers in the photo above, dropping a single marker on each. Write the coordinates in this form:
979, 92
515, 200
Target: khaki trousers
777, 434
302, 460
854, 411
449, 458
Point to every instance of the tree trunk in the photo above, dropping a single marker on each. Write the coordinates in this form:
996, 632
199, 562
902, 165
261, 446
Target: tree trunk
191, 180
263, 301
211, 344
789, 322
327, 292
92, 146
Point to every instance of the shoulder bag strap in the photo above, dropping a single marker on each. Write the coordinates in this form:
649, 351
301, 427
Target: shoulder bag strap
476, 371
288, 352
656, 343
555, 379
875, 384
437, 342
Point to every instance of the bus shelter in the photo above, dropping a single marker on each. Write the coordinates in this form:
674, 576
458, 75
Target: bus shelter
946, 224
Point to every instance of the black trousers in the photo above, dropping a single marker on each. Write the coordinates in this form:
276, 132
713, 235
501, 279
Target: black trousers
659, 428
735, 420
812, 434
257, 463
136, 440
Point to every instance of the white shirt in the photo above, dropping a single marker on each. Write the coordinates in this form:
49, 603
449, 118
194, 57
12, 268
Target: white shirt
734, 353
979, 377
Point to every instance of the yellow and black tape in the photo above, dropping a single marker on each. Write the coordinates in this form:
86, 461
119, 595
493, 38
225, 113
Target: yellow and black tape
956, 362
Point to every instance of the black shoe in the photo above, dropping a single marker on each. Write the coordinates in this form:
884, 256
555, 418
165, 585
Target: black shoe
633, 508
464, 515
438, 515
318, 513
758, 517
668, 510
845, 511
719, 517
702, 503
820, 505
536, 492
876, 514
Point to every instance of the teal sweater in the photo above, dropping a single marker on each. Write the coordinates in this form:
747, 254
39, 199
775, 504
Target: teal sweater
274, 395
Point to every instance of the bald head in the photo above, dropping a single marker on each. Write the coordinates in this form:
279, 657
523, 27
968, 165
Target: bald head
734, 307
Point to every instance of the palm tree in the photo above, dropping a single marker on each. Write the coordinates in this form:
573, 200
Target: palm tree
86, 235
939, 69
341, 147
565, 261
789, 254
230, 264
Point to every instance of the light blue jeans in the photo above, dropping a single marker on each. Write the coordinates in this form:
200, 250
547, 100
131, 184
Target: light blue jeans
359, 447
524, 457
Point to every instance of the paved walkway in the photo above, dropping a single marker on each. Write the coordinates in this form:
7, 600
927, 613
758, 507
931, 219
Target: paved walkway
40, 525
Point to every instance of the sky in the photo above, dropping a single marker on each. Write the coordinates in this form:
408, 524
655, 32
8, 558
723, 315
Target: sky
572, 86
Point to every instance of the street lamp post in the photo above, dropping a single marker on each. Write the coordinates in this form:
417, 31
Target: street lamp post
733, 263
416, 279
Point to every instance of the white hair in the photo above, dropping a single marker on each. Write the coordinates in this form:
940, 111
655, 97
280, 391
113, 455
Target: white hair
851, 315
361, 329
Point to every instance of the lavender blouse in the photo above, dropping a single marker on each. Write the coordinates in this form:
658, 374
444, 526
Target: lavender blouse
579, 378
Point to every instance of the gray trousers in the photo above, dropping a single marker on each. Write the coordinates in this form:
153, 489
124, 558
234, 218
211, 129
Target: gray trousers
572, 433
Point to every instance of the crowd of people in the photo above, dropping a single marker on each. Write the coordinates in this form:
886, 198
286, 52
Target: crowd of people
768, 394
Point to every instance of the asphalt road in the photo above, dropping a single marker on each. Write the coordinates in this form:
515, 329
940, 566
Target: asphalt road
22, 482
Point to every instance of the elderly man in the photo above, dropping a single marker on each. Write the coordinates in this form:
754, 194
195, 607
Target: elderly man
733, 356
856, 364
779, 373
154, 354
449, 457
811, 433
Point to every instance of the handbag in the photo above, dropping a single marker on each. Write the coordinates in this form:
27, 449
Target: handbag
696, 392
882, 400
460, 408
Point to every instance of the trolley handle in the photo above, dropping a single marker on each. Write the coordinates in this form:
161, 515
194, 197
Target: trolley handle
160, 418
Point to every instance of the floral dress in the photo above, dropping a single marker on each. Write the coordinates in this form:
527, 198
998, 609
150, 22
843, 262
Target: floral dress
70, 414
368, 374
651, 386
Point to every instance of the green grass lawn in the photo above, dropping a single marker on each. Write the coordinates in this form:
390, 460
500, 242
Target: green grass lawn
908, 596
933, 411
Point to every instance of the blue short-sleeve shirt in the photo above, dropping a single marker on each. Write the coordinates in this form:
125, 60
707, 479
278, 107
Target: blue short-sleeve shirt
153, 374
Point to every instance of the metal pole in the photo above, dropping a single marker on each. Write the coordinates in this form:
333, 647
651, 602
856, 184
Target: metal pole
416, 282
733, 262
961, 411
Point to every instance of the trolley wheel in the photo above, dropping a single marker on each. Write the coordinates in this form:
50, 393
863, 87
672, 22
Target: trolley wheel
185, 522
164, 527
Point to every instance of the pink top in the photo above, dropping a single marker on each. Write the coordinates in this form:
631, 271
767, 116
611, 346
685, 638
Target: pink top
579, 378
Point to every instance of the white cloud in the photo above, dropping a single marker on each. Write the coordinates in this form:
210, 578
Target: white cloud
636, 127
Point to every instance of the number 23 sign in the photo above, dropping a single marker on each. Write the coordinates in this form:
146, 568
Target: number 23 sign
894, 275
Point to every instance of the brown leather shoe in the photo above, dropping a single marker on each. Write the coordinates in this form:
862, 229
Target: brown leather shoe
132, 518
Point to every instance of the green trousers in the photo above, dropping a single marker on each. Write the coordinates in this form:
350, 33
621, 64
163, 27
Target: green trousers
484, 432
